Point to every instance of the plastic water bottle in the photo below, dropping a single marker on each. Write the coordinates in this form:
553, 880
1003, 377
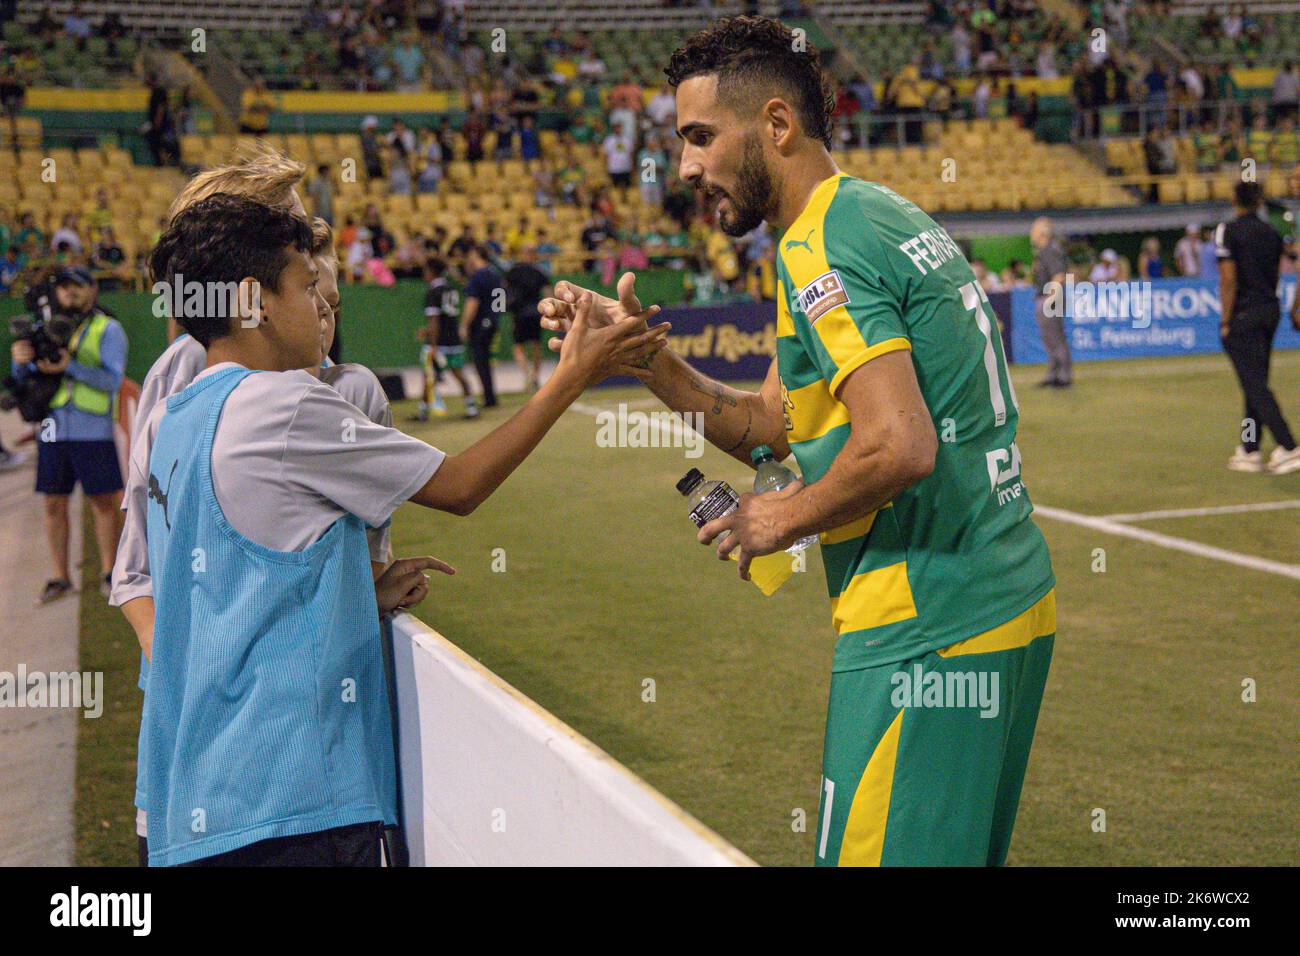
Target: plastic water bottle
773, 476
708, 499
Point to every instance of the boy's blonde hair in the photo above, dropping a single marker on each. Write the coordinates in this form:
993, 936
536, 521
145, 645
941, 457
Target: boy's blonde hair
260, 172
322, 242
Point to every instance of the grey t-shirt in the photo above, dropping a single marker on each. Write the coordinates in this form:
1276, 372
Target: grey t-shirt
290, 457
179, 365
1050, 261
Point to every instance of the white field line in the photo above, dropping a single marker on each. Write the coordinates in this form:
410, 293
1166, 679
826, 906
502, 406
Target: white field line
1109, 526
1203, 512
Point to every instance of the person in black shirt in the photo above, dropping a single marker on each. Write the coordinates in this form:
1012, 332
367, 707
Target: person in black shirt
442, 342
1250, 253
484, 301
526, 285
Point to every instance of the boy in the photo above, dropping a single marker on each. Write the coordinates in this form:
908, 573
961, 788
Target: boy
266, 720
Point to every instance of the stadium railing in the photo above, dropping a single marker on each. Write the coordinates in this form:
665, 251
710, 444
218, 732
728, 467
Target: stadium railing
487, 777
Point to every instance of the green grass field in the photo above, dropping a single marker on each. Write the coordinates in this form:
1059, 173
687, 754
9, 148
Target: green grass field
605, 587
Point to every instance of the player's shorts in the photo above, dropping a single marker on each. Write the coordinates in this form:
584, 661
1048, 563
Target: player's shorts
924, 759
61, 464
453, 356
528, 328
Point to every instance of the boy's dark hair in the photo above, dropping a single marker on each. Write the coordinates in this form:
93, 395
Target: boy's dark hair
221, 240
755, 58
436, 267
1249, 195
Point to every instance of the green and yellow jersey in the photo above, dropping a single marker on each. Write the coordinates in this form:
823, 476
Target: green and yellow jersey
863, 272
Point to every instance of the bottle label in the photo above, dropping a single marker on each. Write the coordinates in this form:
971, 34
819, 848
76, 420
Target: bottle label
715, 504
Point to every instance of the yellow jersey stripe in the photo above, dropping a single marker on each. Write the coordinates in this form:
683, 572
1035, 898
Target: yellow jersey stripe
847, 532
1038, 621
814, 411
865, 356
874, 599
863, 843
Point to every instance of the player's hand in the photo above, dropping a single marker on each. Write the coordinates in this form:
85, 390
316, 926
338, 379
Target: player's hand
54, 368
592, 354
404, 584
557, 311
759, 525
22, 352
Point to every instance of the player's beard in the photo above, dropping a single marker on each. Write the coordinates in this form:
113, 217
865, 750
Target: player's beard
755, 192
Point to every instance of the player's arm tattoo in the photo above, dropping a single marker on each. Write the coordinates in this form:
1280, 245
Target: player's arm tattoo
715, 391
749, 424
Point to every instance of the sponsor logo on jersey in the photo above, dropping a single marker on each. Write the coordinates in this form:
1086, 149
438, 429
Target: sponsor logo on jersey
824, 293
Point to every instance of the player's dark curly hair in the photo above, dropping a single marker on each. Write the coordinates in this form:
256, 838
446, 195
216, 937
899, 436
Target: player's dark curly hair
222, 239
752, 57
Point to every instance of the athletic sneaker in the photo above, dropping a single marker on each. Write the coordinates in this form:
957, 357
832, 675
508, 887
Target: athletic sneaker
471, 408
1283, 462
11, 459
439, 407
55, 588
1243, 460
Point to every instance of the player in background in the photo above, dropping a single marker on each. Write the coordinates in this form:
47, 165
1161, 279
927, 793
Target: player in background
526, 285
442, 341
885, 345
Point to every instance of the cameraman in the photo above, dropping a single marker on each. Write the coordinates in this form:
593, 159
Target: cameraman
76, 439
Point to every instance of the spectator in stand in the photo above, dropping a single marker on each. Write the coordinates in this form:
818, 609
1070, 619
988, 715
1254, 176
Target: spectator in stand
432, 156
1155, 88
959, 39
255, 116
372, 148
159, 129
662, 107
401, 158
530, 143
594, 234
618, 159
474, 130
1187, 252
408, 60
77, 25
1150, 265
321, 192
1161, 159
1286, 91
1045, 65
1259, 141
68, 234
108, 260
652, 168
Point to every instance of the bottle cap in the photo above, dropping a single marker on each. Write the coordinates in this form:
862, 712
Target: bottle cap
761, 454
689, 481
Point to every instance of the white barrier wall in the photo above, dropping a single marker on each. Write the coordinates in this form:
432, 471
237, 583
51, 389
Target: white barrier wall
489, 778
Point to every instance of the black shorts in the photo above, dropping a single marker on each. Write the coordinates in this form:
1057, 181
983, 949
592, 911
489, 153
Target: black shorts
528, 328
354, 845
61, 464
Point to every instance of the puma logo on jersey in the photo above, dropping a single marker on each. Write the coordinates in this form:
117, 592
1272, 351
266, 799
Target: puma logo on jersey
824, 293
160, 496
791, 243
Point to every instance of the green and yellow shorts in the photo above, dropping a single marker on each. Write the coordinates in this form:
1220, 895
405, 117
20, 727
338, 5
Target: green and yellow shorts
924, 758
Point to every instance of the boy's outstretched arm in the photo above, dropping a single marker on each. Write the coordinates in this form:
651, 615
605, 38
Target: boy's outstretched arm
589, 355
736, 421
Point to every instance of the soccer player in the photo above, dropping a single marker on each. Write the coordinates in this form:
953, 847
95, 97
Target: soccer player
441, 336
891, 389
266, 721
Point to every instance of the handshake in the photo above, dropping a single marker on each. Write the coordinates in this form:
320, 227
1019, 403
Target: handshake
599, 336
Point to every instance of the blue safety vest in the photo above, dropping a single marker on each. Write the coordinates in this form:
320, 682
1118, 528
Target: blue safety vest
266, 712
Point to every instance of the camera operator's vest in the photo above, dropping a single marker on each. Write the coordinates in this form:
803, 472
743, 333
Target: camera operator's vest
94, 401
